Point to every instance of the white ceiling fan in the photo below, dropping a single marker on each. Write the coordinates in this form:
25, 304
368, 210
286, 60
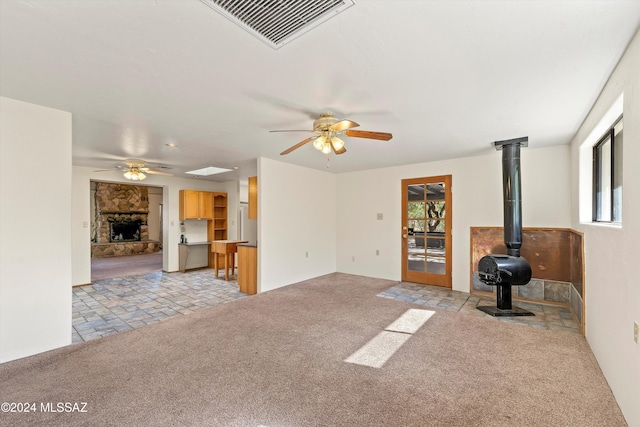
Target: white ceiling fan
327, 128
136, 169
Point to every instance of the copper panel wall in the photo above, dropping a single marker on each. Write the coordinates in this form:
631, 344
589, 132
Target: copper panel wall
548, 250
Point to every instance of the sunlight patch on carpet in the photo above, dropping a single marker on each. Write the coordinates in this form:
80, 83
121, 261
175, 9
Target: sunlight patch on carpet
377, 351
410, 321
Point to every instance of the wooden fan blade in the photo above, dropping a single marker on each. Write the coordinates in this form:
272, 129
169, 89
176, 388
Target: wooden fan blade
383, 136
343, 125
298, 145
158, 173
333, 147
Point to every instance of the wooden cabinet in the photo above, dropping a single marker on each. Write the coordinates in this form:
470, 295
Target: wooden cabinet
253, 197
196, 204
189, 204
248, 269
206, 205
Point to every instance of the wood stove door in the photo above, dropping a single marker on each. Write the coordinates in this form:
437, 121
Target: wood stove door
426, 230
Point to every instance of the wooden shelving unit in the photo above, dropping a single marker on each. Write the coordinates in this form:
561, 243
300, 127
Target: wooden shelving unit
217, 228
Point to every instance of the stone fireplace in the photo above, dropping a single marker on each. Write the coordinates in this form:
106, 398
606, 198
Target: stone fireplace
120, 226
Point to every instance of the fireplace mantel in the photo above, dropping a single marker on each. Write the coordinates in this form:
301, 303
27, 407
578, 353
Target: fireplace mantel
124, 212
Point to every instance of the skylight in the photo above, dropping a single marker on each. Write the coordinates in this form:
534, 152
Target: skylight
211, 170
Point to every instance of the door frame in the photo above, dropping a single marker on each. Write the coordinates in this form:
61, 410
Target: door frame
444, 280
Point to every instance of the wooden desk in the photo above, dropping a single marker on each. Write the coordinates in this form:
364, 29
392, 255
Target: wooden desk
226, 248
183, 252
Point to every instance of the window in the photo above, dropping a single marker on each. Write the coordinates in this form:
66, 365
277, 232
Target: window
607, 175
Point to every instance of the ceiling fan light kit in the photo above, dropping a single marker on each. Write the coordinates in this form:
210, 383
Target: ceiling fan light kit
134, 175
327, 127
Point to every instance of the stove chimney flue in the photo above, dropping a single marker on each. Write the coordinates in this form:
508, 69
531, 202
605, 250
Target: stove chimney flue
512, 195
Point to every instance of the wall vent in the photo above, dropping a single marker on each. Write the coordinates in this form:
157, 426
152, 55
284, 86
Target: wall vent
277, 22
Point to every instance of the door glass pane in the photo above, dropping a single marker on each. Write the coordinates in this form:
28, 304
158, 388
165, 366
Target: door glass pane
435, 191
436, 255
416, 251
435, 209
416, 226
416, 210
436, 265
415, 192
435, 226
416, 259
436, 246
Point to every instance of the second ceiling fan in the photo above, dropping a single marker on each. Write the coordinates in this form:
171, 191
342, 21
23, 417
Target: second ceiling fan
327, 128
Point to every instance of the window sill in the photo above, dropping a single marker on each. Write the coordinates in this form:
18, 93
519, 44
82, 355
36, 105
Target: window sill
614, 225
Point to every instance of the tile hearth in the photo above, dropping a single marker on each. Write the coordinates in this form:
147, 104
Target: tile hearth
547, 316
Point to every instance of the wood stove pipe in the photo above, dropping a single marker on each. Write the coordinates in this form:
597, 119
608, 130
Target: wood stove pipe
512, 197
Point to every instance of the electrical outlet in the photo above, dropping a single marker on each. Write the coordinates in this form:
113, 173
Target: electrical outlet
377, 251
636, 332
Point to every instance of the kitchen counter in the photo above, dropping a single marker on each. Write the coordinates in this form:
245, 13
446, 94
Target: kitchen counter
248, 245
248, 268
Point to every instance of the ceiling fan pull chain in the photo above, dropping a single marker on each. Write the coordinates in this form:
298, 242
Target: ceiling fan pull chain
328, 162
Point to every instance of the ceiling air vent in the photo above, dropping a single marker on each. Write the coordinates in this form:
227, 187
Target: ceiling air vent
277, 22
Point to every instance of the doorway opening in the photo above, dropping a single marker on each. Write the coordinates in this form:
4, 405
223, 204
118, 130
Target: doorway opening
126, 229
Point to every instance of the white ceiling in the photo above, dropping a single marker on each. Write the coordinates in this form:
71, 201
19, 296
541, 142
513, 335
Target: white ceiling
445, 77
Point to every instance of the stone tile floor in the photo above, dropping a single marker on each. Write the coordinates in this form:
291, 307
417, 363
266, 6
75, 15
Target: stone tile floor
110, 306
115, 305
557, 318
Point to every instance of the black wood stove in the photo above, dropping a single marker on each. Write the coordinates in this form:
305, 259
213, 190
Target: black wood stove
505, 271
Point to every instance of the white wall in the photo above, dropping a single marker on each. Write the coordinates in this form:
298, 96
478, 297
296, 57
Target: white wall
296, 216
477, 201
171, 204
611, 254
35, 229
